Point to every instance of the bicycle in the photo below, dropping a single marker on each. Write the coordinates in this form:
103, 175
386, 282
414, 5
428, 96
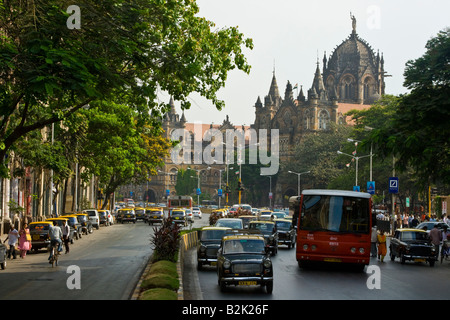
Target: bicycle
54, 254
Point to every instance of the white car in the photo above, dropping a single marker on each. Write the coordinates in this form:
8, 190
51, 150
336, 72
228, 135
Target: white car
189, 215
94, 217
197, 212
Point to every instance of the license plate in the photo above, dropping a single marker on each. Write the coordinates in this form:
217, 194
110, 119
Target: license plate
419, 260
213, 263
332, 260
247, 283
155, 217
36, 237
177, 218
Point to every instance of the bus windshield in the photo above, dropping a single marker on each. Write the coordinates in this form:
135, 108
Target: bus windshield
335, 213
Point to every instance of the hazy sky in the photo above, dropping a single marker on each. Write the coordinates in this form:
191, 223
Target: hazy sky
290, 34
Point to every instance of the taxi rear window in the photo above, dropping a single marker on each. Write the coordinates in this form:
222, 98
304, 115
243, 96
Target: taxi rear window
39, 227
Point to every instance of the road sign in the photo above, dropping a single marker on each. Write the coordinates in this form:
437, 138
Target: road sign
167, 192
371, 187
199, 192
219, 192
393, 185
356, 188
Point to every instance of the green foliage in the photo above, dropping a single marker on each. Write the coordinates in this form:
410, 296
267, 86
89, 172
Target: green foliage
125, 51
417, 133
165, 241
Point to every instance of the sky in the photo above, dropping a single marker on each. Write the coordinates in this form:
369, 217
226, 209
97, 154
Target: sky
289, 36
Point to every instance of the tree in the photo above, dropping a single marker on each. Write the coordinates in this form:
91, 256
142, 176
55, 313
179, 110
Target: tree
128, 50
418, 132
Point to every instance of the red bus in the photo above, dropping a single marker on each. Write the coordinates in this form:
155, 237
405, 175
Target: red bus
333, 226
176, 202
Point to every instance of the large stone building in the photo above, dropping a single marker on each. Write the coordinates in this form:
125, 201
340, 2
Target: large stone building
351, 78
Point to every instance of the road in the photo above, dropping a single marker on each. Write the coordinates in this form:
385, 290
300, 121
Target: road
110, 262
411, 281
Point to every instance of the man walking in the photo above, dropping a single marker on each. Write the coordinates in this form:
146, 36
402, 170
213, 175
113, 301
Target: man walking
436, 238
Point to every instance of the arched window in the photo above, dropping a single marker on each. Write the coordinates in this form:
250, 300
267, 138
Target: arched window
324, 118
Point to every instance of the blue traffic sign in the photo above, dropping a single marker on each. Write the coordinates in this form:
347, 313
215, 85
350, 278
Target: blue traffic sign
371, 187
199, 192
219, 192
167, 192
393, 185
356, 188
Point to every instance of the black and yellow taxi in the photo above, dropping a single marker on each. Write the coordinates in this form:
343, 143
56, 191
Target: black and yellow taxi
412, 245
60, 223
154, 215
269, 230
179, 216
74, 224
242, 261
39, 234
126, 215
140, 213
86, 223
286, 232
209, 243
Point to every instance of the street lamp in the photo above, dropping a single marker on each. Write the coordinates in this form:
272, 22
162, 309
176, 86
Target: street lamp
356, 158
298, 178
220, 182
270, 190
198, 182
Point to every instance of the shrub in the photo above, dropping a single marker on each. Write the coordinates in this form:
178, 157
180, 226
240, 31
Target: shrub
165, 241
159, 294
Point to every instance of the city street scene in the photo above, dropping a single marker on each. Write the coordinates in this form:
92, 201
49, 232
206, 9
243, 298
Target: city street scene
227, 158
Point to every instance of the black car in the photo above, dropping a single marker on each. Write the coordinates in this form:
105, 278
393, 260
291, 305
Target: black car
74, 224
154, 215
126, 215
412, 244
140, 213
269, 230
286, 232
86, 223
242, 261
210, 239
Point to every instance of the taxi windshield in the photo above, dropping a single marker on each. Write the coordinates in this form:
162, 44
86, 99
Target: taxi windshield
244, 246
266, 228
178, 213
212, 234
283, 225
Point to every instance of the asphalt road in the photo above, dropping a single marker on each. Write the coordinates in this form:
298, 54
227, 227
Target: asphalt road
104, 265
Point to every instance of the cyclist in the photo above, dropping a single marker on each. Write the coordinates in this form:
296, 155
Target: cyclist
55, 235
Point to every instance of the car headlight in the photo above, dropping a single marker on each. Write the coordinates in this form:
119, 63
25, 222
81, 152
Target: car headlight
202, 249
227, 264
267, 263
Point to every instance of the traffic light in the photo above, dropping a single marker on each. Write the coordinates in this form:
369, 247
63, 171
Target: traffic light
240, 186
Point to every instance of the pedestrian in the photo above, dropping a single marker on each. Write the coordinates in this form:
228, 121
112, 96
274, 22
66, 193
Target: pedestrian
24, 241
436, 237
373, 241
66, 232
382, 249
12, 238
414, 221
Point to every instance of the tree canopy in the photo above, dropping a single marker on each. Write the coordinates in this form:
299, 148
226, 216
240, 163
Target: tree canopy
127, 50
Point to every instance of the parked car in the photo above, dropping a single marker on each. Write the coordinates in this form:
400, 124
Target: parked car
126, 215
60, 222
86, 223
94, 217
412, 244
197, 212
154, 215
74, 224
269, 230
243, 261
233, 223
39, 234
209, 243
103, 215
286, 232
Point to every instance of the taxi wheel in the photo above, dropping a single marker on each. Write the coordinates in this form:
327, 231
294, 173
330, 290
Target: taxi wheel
269, 287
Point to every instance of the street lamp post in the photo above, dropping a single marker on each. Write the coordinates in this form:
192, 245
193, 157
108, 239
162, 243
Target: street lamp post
270, 190
356, 158
298, 179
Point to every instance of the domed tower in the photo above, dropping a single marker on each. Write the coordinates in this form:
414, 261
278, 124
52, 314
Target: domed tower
354, 73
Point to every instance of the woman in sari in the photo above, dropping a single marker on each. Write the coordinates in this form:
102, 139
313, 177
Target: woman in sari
24, 241
382, 249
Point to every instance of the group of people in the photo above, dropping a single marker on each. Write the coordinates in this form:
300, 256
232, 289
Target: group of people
378, 241
23, 239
